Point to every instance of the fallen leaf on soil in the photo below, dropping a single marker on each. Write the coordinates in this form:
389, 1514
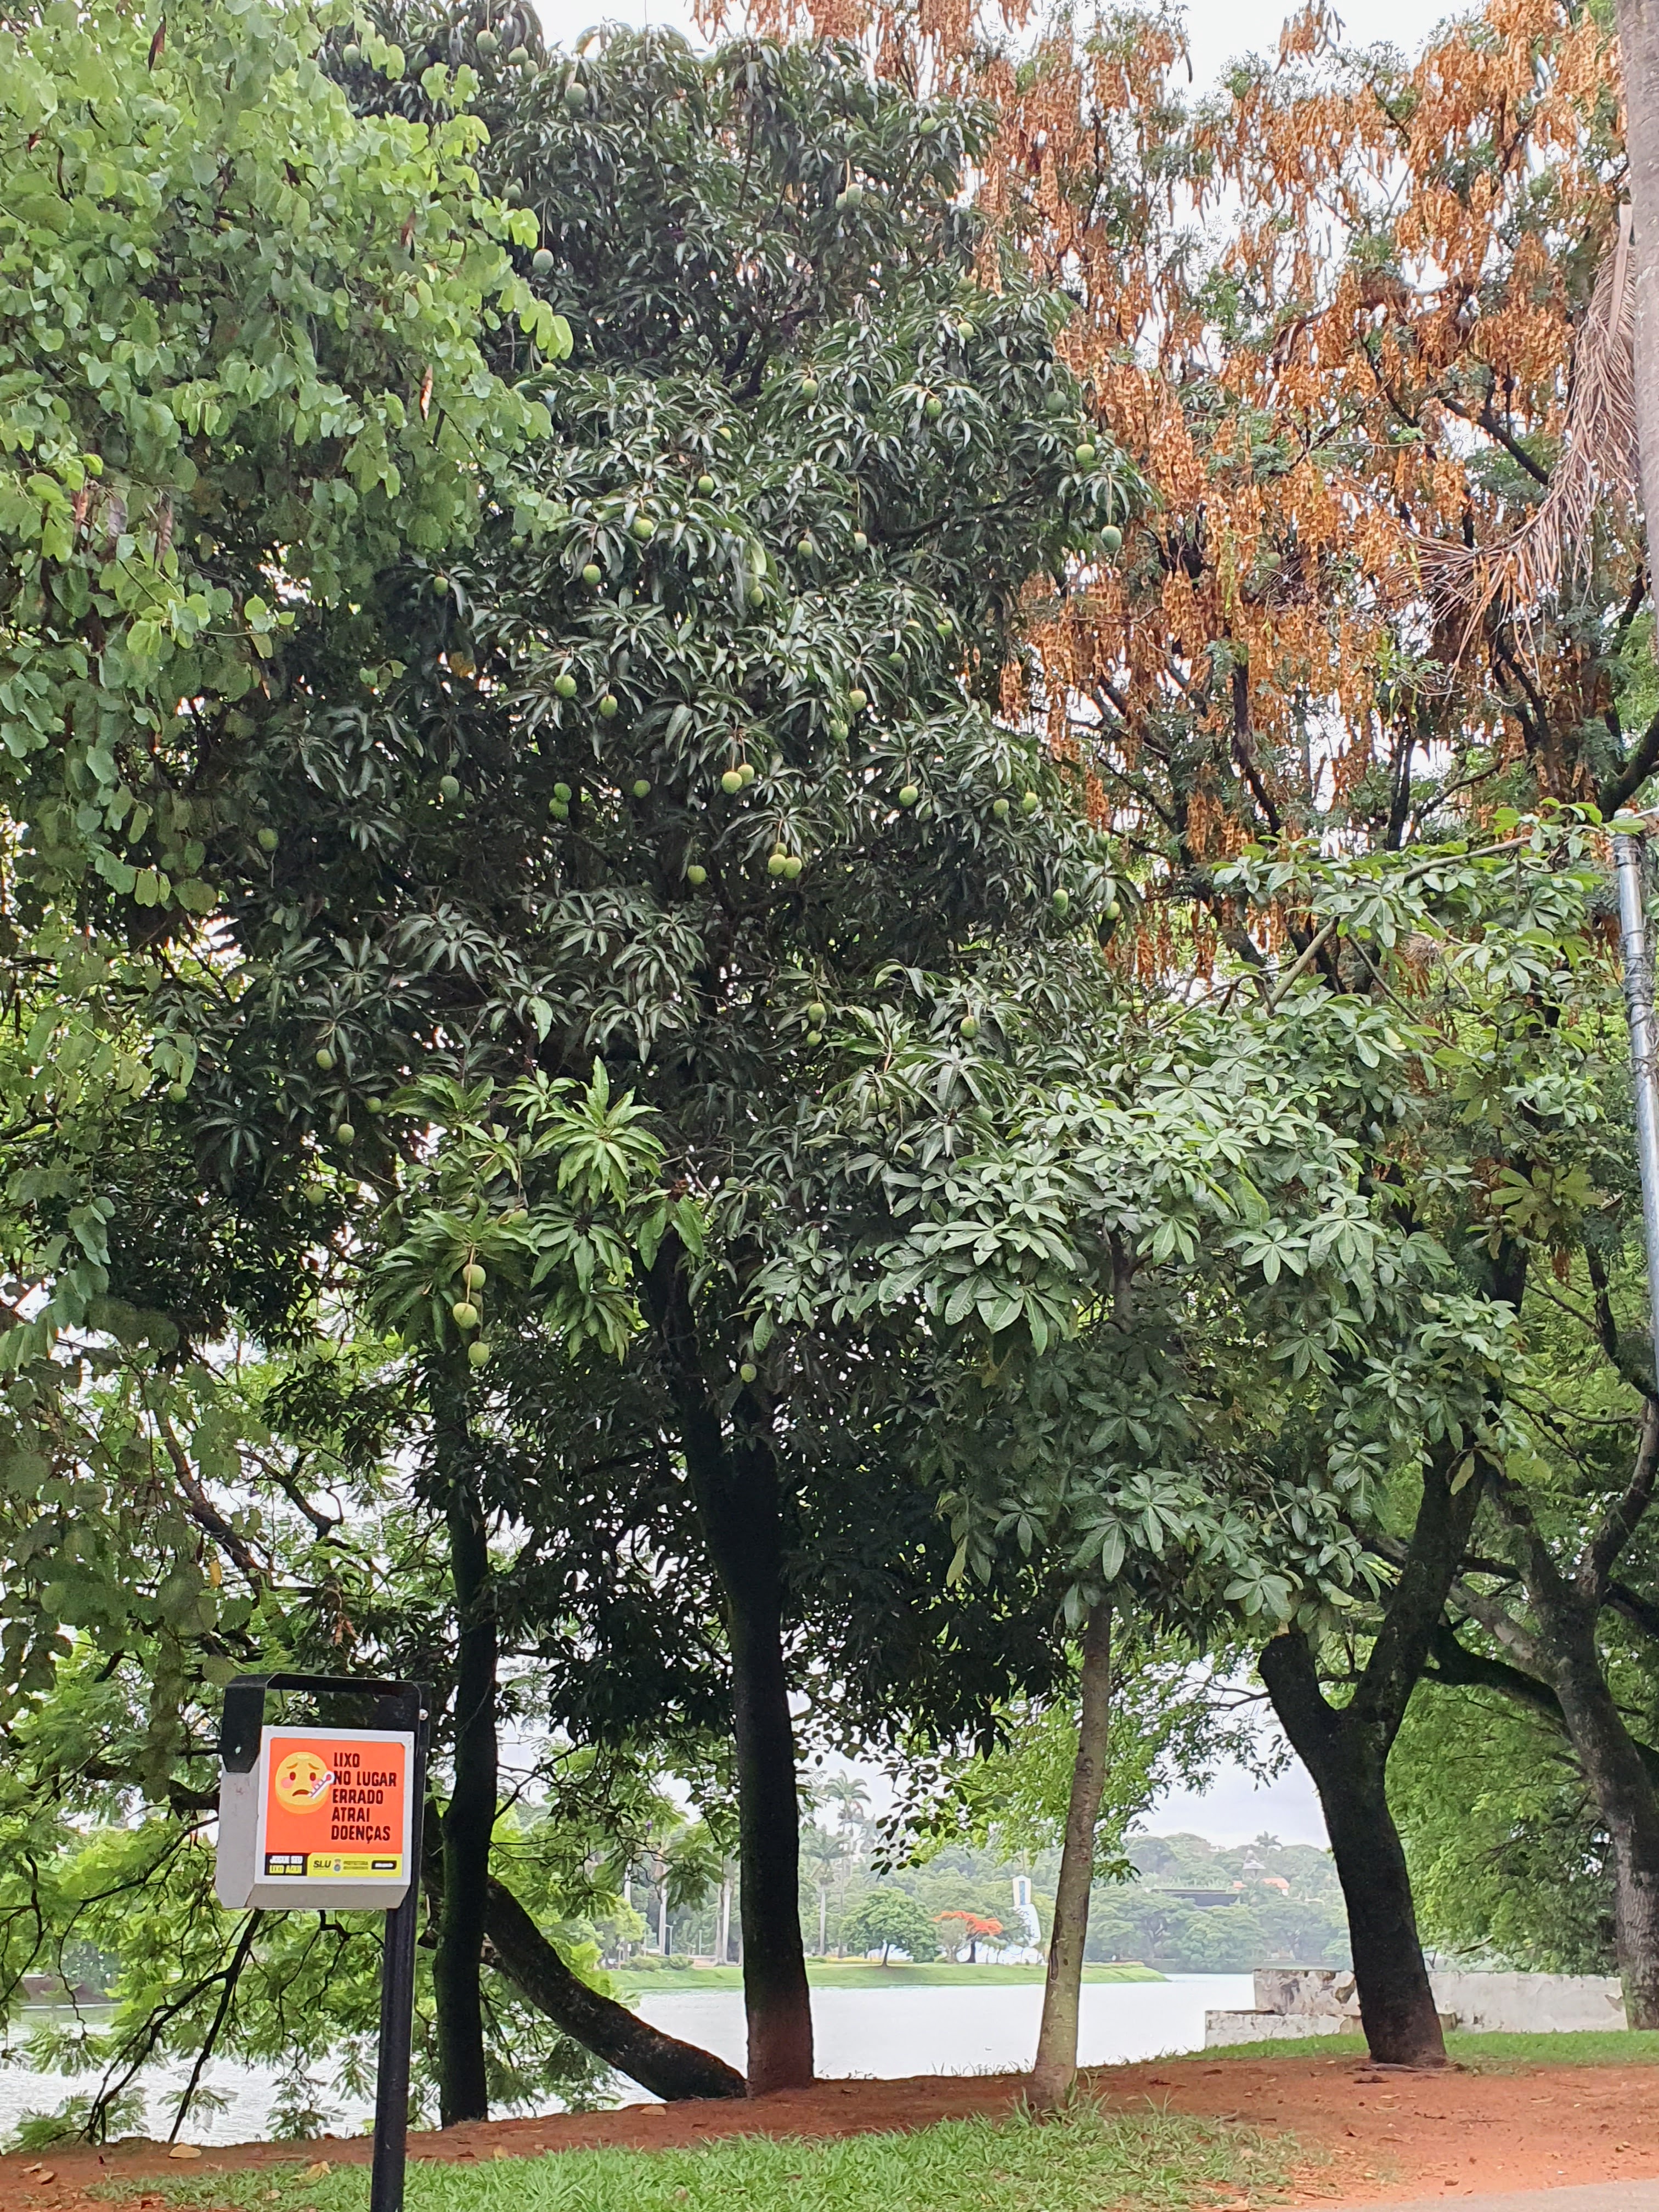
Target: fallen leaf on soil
183, 2150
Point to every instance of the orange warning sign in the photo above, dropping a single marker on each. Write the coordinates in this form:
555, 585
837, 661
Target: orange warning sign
335, 1805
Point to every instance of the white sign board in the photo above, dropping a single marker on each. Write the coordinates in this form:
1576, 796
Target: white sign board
322, 1818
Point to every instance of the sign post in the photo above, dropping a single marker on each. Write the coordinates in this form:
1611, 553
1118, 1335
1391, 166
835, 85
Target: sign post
315, 1816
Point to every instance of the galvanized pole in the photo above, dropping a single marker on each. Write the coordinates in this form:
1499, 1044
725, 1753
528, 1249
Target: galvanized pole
1629, 848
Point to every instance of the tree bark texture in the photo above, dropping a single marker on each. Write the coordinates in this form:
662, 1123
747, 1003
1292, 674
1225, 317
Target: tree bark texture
734, 1481
1056, 2070
469, 1822
1638, 52
1625, 1796
1345, 1750
1348, 1760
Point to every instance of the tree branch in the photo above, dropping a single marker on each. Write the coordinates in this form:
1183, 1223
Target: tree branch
203, 1510
517, 1948
1622, 1519
1618, 789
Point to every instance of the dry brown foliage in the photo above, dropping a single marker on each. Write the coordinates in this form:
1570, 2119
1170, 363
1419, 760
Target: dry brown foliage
1346, 319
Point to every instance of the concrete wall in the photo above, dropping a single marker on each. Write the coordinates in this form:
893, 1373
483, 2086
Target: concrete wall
1221, 2027
1299, 2000
1306, 1990
1530, 2004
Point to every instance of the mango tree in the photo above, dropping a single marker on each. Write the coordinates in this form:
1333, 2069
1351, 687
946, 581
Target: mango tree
677, 782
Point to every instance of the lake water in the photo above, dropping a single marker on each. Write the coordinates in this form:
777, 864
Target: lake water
887, 2034
881, 2034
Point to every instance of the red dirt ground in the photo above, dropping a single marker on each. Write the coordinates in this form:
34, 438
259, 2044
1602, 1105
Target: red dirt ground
1373, 2137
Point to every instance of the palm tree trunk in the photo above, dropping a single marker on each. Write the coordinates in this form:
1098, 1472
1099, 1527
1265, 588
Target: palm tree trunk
1056, 2070
1639, 49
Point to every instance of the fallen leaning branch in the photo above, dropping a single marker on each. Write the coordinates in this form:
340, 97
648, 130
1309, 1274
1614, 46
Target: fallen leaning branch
661, 2063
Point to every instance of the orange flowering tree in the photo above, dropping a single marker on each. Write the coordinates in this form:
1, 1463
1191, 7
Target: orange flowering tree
1333, 313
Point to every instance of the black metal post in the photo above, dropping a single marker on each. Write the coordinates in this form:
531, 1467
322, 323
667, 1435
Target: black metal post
399, 1706
386, 2188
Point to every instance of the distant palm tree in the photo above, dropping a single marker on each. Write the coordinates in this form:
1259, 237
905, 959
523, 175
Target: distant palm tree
847, 1792
824, 1852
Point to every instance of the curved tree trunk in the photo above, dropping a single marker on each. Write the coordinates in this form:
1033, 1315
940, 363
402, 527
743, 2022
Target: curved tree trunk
1563, 1648
1348, 1762
661, 2063
1629, 1803
516, 1947
1056, 2070
1345, 1750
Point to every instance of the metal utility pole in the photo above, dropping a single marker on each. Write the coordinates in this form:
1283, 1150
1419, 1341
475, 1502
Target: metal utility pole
1629, 848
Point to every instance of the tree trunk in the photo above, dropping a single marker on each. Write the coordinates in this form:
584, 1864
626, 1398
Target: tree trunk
824, 1921
1348, 1762
1056, 2070
725, 1944
748, 1557
1622, 1773
469, 1823
1638, 52
1345, 1750
1566, 1651
734, 1480
1628, 1803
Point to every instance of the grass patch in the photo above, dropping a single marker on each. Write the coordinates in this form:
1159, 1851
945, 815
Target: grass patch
865, 1974
1588, 2046
1089, 2158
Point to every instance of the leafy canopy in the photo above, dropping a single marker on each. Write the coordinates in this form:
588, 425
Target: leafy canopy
241, 361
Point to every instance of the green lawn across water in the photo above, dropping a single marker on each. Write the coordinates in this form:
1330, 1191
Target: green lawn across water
862, 1974
1146, 2161
1591, 2047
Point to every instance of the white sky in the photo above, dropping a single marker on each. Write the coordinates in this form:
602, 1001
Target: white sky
1233, 1808
1236, 1809
1219, 31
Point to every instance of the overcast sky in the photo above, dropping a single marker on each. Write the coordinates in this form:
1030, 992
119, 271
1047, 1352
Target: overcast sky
1219, 30
1235, 1809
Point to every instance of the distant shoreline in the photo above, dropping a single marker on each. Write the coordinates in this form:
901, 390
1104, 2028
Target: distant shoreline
865, 1974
